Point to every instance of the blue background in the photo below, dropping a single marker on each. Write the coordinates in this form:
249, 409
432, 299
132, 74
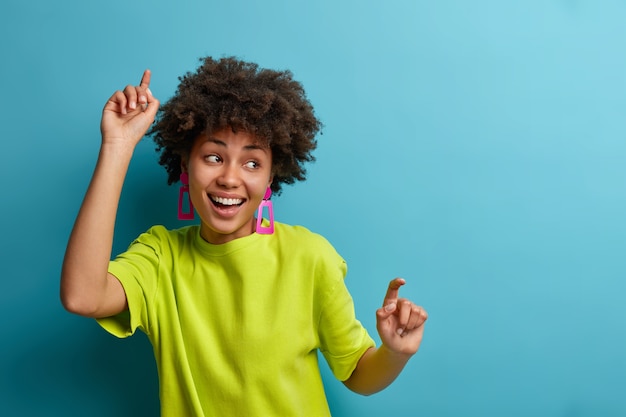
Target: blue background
475, 148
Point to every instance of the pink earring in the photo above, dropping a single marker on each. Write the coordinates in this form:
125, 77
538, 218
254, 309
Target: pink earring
184, 189
270, 211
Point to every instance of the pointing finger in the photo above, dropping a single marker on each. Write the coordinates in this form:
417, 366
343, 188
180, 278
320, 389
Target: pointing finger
393, 290
144, 87
145, 79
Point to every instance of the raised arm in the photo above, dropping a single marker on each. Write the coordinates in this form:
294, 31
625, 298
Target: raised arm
86, 286
400, 325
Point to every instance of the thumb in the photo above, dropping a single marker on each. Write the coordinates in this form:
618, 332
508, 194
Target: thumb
386, 311
152, 105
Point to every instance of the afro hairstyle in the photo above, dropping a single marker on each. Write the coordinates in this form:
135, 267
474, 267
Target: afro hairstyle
230, 93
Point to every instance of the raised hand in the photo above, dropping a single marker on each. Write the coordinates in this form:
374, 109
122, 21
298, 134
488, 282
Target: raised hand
400, 323
128, 114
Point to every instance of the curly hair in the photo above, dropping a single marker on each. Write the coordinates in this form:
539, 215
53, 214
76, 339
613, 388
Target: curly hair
230, 93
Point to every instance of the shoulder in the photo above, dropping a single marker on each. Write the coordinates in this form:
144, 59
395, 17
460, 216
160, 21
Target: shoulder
309, 247
159, 236
302, 237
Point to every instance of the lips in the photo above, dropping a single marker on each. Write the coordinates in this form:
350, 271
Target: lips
226, 207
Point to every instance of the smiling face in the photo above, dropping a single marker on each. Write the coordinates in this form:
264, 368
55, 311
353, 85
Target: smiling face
228, 175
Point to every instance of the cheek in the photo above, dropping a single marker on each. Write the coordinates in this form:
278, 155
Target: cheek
256, 191
198, 183
263, 185
194, 182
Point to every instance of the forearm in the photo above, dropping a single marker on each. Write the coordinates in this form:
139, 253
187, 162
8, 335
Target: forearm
376, 370
84, 278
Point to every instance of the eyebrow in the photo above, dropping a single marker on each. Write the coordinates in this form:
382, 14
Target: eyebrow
219, 142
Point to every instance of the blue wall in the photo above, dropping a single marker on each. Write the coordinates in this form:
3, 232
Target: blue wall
475, 148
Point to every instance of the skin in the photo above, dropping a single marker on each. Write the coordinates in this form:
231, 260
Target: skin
400, 324
225, 165
86, 286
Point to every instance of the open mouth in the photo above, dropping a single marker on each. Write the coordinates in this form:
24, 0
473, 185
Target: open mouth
226, 202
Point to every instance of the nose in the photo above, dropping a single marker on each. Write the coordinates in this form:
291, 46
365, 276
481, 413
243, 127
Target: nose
229, 176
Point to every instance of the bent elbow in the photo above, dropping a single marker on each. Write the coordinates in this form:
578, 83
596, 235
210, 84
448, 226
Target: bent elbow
360, 391
77, 301
77, 305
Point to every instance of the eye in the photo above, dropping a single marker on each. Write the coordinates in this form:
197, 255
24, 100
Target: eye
214, 159
251, 164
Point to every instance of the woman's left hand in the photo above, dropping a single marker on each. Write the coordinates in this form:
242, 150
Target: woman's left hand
400, 323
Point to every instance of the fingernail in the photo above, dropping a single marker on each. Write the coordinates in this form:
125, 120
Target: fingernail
148, 90
400, 331
389, 307
132, 105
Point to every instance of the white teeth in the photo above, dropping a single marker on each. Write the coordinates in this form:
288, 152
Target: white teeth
227, 201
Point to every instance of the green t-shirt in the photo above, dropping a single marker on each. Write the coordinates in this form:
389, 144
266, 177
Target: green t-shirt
236, 327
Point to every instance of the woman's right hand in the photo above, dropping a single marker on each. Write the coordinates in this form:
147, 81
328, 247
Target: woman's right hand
128, 114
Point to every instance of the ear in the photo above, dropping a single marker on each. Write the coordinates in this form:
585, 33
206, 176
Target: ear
183, 165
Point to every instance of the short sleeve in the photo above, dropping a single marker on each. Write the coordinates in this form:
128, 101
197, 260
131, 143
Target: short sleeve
137, 271
343, 338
